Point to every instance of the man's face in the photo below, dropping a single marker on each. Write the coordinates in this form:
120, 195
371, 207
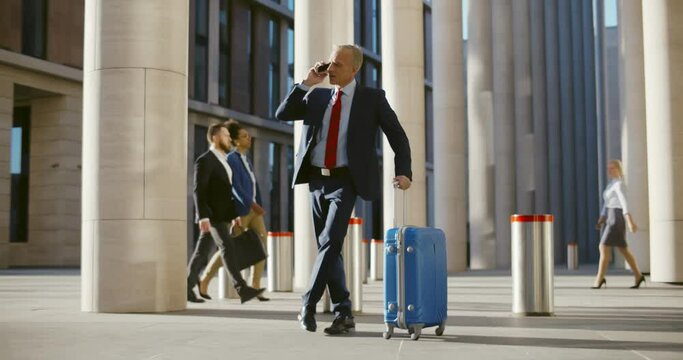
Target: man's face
341, 70
222, 140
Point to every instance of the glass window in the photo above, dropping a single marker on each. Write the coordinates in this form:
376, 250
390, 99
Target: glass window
19, 170
290, 4
429, 125
274, 67
224, 48
428, 43
250, 57
290, 57
34, 28
201, 50
274, 169
375, 31
430, 198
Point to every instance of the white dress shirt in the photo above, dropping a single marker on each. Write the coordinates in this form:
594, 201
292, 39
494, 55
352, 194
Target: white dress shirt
318, 154
614, 197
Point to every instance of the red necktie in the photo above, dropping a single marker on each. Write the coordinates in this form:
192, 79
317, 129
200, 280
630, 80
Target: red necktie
333, 133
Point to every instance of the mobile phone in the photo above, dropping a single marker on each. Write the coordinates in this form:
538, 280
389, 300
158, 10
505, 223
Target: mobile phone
322, 67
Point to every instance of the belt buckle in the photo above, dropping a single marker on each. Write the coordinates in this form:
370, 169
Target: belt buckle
325, 172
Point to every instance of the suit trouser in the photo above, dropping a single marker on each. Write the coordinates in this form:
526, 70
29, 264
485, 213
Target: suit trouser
251, 221
220, 232
332, 200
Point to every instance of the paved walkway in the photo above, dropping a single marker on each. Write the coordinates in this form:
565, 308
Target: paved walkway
40, 319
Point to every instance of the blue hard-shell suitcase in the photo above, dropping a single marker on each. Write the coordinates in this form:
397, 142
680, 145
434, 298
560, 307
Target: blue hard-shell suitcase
415, 280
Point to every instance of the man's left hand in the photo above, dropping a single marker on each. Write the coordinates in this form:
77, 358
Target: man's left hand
401, 182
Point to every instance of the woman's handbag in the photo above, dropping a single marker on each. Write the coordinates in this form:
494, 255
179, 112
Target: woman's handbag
248, 249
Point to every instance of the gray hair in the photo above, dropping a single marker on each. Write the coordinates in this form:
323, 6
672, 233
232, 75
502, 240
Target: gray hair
356, 53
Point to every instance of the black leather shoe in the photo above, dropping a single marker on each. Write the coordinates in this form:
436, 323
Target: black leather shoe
247, 293
262, 298
342, 324
307, 320
191, 297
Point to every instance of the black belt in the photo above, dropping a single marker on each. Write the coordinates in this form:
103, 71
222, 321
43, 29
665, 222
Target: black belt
336, 172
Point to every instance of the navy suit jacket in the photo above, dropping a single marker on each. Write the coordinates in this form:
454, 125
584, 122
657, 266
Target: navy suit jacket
370, 112
242, 185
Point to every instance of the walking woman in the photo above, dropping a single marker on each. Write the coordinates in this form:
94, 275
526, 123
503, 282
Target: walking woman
247, 203
614, 217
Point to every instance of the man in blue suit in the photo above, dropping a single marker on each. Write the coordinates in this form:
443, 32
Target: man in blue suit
337, 158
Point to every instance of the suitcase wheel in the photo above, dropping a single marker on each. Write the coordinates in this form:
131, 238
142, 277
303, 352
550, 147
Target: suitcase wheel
440, 329
389, 331
415, 332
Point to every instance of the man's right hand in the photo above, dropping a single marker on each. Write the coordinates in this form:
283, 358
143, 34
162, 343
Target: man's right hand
204, 226
314, 78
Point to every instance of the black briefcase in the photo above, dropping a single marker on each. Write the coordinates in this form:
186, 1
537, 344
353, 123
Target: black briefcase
248, 249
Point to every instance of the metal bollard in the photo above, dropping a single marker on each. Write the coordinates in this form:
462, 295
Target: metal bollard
572, 256
225, 288
364, 260
532, 265
355, 237
377, 259
280, 261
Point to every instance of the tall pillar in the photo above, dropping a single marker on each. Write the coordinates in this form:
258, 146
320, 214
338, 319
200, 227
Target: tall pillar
55, 181
553, 126
480, 137
662, 39
539, 104
449, 130
318, 26
134, 156
566, 130
634, 129
403, 80
503, 127
524, 136
6, 110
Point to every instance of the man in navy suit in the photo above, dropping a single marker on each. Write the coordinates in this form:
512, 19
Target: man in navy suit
337, 158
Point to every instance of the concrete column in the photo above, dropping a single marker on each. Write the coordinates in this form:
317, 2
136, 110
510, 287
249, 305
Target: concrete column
663, 49
591, 125
634, 129
503, 127
566, 96
54, 183
403, 80
449, 130
480, 137
552, 77
318, 26
539, 104
524, 136
6, 110
134, 156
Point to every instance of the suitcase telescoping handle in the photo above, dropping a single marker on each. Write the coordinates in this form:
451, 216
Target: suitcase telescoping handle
400, 257
403, 207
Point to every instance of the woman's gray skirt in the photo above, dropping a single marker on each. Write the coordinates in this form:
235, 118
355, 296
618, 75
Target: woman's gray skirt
615, 229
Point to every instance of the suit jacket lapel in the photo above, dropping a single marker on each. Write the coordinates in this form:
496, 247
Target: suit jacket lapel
355, 107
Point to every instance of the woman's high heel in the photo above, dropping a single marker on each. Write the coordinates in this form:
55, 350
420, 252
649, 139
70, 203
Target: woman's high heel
602, 282
640, 281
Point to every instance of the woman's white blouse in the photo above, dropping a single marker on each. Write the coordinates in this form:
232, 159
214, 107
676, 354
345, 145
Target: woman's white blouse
614, 197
